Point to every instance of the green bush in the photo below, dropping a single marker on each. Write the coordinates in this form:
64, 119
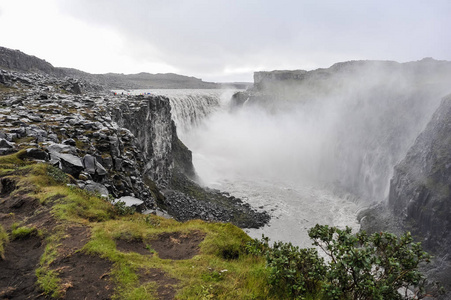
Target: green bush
359, 266
293, 272
123, 210
57, 174
370, 267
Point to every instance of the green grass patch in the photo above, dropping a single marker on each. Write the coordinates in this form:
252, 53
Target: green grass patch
48, 282
3, 241
47, 279
57, 175
27, 139
15, 159
222, 269
23, 232
80, 204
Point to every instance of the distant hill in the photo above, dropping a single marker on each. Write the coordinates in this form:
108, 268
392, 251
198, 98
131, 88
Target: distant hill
19, 61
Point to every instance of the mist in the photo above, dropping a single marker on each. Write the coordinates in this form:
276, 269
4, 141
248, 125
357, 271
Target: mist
343, 127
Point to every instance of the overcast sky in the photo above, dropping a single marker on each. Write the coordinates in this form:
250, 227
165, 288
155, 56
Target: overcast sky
223, 40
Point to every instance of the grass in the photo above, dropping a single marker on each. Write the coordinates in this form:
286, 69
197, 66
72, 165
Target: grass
201, 276
221, 270
47, 278
23, 232
3, 241
7, 89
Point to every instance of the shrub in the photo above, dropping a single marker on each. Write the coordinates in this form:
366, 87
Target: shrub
359, 266
57, 174
122, 209
369, 267
292, 271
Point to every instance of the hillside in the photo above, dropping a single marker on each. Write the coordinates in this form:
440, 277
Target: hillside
59, 241
19, 61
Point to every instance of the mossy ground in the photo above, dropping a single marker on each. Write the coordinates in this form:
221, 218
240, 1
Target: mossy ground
221, 269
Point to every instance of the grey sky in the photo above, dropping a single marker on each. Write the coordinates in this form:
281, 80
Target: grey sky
223, 40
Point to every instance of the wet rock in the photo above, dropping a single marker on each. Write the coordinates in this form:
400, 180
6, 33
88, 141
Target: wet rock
70, 142
53, 137
69, 163
92, 166
100, 170
36, 153
96, 188
6, 144
84, 176
61, 148
89, 162
130, 201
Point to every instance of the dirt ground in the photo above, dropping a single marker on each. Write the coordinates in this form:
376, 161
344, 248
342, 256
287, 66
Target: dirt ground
86, 277
177, 245
166, 289
82, 276
17, 275
132, 245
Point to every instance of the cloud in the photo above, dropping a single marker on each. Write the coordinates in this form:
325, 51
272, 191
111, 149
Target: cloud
214, 39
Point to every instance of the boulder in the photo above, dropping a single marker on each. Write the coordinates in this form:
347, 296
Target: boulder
70, 142
132, 202
96, 188
92, 166
62, 148
36, 153
89, 162
69, 163
5, 144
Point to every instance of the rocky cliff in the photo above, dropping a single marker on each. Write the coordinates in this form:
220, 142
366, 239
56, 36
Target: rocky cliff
150, 122
420, 190
264, 80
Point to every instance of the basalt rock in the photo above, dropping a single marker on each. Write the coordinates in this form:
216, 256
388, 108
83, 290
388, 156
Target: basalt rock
420, 192
36, 153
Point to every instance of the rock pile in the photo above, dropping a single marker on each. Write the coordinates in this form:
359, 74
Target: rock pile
73, 132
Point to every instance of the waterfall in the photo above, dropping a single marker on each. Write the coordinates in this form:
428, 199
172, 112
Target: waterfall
189, 108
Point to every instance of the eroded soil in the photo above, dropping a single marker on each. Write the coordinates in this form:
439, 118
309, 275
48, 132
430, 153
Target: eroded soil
177, 245
17, 275
132, 245
166, 285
